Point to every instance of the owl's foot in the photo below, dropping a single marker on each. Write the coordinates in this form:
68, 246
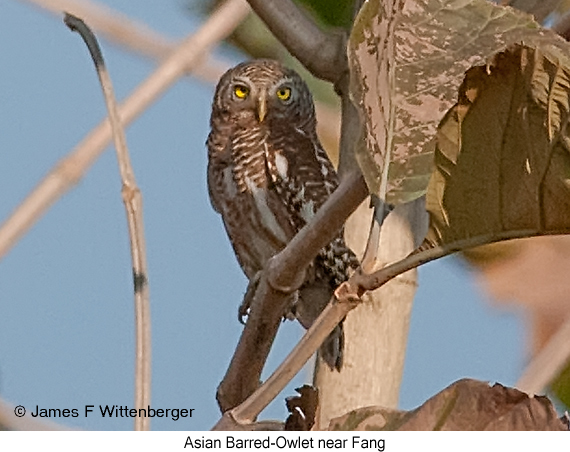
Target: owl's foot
243, 310
291, 308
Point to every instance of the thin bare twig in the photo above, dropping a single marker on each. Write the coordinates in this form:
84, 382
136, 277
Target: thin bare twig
132, 199
548, 363
283, 275
72, 168
363, 283
322, 53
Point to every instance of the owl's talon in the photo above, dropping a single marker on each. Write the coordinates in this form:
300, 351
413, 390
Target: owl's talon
291, 308
243, 310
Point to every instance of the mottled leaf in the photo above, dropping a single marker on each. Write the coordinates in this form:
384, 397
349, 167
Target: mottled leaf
503, 152
407, 61
465, 405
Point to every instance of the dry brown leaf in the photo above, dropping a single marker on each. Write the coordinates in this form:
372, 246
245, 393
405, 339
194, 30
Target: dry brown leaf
503, 160
464, 405
302, 409
503, 171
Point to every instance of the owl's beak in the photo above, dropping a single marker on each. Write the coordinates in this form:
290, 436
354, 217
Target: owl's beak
261, 107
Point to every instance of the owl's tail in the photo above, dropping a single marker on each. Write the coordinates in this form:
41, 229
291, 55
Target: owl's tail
313, 297
331, 352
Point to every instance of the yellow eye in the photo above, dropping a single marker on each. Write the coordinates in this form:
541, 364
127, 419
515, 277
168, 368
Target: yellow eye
241, 91
284, 93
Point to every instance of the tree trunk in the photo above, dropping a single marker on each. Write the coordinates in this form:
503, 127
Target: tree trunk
376, 331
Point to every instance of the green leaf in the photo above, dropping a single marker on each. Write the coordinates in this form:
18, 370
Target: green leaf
407, 61
561, 386
503, 152
331, 14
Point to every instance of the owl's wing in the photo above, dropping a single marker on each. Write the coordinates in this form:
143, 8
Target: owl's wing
304, 177
219, 160
302, 174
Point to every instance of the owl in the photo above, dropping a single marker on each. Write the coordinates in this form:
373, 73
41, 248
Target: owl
267, 176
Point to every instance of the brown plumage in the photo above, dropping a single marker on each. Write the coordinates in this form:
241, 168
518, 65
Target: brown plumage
267, 176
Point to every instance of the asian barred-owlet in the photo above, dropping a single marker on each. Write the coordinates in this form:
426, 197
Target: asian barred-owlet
267, 176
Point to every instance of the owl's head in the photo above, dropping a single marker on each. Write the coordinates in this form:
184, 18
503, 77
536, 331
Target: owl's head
264, 92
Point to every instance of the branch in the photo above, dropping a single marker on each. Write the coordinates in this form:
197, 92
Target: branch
343, 301
322, 53
335, 311
301, 251
282, 276
362, 283
72, 168
132, 199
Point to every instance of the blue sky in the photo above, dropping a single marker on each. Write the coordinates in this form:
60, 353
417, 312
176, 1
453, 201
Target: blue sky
66, 308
